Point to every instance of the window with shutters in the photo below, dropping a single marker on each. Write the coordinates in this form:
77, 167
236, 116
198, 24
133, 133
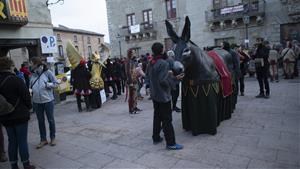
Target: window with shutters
131, 19
148, 18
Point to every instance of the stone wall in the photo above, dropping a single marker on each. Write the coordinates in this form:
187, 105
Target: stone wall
81, 42
39, 23
276, 14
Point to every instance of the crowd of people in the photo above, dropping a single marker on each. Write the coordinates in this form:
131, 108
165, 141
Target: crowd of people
268, 59
122, 75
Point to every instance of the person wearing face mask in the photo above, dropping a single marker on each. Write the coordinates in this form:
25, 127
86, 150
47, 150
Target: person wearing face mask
42, 83
14, 91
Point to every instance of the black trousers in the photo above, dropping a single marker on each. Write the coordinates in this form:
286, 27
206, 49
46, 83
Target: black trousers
95, 99
163, 120
175, 95
2, 150
242, 83
123, 85
111, 84
86, 100
262, 77
118, 85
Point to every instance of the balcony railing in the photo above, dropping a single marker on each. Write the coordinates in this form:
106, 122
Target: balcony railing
147, 31
294, 9
256, 8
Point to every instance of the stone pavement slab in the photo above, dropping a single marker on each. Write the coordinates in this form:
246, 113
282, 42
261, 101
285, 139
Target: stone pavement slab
262, 134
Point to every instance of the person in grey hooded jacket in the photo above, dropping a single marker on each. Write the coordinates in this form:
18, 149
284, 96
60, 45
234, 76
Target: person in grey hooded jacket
42, 83
162, 81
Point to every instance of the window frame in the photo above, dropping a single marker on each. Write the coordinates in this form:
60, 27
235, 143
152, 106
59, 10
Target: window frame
172, 12
58, 37
61, 50
88, 40
132, 19
90, 51
75, 38
148, 20
221, 4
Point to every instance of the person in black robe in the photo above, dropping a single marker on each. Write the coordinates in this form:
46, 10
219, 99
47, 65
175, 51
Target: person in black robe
80, 80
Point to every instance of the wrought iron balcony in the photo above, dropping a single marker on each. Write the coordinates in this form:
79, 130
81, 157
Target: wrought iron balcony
256, 8
294, 10
146, 31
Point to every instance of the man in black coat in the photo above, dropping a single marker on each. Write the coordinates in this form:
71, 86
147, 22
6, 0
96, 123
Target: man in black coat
110, 82
261, 57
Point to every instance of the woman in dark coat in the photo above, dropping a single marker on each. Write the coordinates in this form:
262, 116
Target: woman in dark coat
80, 79
14, 90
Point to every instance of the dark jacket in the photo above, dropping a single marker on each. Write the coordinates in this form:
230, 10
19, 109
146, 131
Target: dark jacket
243, 62
161, 81
262, 52
123, 71
13, 89
80, 78
108, 71
236, 62
116, 71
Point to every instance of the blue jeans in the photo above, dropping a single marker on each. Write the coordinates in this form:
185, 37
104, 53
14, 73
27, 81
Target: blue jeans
17, 140
41, 108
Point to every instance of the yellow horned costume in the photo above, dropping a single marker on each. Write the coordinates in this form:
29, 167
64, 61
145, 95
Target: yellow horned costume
73, 55
97, 63
96, 80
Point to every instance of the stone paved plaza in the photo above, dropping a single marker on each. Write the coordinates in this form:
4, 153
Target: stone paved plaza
262, 134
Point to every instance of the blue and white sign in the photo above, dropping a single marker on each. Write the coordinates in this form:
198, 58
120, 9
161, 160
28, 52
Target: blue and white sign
48, 44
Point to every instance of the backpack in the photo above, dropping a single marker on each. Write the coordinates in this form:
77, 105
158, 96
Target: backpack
5, 106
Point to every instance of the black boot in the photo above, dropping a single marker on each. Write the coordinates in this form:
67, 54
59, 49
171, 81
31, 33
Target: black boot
261, 95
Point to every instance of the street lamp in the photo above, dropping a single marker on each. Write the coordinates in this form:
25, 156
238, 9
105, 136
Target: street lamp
119, 37
53, 3
246, 20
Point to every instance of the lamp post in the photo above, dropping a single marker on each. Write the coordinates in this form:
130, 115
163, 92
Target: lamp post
246, 20
119, 37
55, 2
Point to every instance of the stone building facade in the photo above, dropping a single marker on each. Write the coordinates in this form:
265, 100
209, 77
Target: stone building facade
21, 26
149, 15
86, 42
213, 21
